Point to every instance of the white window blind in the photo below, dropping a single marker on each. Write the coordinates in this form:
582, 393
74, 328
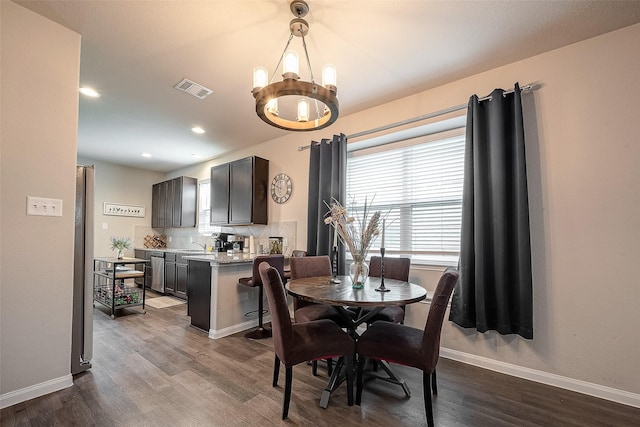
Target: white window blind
418, 184
204, 209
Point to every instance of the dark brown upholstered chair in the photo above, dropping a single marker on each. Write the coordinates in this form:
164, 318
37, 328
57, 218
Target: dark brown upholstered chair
394, 268
409, 346
276, 261
297, 253
295, 343
306, 311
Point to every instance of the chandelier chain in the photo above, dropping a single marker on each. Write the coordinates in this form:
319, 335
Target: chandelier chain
306, 54
281, 57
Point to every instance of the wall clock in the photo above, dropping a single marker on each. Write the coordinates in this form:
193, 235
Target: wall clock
281, 187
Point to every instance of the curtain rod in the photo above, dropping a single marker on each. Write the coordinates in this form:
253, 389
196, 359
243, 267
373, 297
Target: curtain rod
526, 88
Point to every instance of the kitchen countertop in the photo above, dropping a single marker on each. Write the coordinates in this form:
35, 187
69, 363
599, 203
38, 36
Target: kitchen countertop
201, 255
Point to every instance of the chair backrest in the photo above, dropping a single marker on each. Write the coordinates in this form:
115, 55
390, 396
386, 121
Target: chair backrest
394, 268
433, 328
275, 261
310, 266
280, 318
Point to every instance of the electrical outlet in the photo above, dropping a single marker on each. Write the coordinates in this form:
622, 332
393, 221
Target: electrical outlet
105, 225
44, 207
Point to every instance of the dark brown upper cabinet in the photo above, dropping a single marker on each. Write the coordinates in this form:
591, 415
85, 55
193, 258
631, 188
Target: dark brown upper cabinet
174, 203
239, 192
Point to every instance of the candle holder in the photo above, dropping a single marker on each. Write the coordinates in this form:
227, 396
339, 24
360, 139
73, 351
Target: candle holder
382, 288
334, 266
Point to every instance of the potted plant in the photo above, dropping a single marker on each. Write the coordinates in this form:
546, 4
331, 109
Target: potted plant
119, 244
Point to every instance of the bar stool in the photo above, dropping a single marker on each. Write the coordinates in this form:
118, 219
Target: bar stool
276, 261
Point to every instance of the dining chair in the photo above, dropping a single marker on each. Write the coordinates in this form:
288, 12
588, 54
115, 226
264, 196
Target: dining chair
294, 343
394, 268
409, 346
306, 311
276, 261
296, 253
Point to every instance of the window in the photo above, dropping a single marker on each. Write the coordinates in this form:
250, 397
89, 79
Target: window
418, 184
204, 209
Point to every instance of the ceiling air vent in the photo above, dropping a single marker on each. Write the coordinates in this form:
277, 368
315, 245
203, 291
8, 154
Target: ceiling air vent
193, 88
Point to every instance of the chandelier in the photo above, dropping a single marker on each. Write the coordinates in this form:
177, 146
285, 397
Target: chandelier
314, 106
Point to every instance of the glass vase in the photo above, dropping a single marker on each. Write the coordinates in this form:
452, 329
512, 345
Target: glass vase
120, 253
359, 273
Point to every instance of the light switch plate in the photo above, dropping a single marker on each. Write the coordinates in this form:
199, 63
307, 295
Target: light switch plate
44, 207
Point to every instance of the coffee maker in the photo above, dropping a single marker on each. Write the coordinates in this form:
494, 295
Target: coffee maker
227, 242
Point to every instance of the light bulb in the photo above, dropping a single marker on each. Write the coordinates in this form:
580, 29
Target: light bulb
260, 77
303, 110
329, 75
290, 63
272, 106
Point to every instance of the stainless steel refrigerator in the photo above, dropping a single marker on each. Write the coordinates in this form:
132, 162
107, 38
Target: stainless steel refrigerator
82, 324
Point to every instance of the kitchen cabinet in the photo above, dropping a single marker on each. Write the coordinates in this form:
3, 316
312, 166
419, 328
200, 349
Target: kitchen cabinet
169, 273
173, 203
175, 275
146, 256
181, 277
239, 192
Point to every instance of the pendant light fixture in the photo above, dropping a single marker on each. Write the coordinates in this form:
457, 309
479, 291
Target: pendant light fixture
317, 105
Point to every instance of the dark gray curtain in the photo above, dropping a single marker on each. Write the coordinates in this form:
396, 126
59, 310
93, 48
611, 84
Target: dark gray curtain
495, 287
327, 172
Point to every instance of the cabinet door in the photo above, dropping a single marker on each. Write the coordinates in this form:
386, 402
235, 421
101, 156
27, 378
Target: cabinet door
169, 277
241, 191
184, 201
155, 203
181, 280
162, 200
220, 194
168, 203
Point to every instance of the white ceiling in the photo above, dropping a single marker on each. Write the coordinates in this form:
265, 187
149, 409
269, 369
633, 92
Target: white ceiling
134, 52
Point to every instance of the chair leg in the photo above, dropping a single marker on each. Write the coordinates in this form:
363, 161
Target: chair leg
260, 332
434, 385
287, 391
427, 397
329, 366
276, 370
359, 374
314, 368
349, 362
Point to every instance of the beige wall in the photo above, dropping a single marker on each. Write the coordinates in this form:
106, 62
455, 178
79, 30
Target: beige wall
122, 185
584, 197
39, 109
584, 176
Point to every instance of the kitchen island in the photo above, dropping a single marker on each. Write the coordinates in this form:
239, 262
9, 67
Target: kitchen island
217, 303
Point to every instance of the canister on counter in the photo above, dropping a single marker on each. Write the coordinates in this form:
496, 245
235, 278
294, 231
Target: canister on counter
275, 245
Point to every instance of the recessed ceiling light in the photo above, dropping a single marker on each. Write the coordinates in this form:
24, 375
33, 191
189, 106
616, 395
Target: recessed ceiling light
146, 154
89, 92
197, 130
196, 156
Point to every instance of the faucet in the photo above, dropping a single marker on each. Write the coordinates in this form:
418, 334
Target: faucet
202, 245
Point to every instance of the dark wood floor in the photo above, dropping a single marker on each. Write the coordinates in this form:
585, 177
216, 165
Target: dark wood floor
156, 370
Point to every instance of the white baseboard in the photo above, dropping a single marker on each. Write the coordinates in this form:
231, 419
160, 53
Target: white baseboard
37, 390
234, 329
591, 389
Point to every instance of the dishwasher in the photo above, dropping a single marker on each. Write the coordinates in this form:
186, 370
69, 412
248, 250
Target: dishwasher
157, 271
